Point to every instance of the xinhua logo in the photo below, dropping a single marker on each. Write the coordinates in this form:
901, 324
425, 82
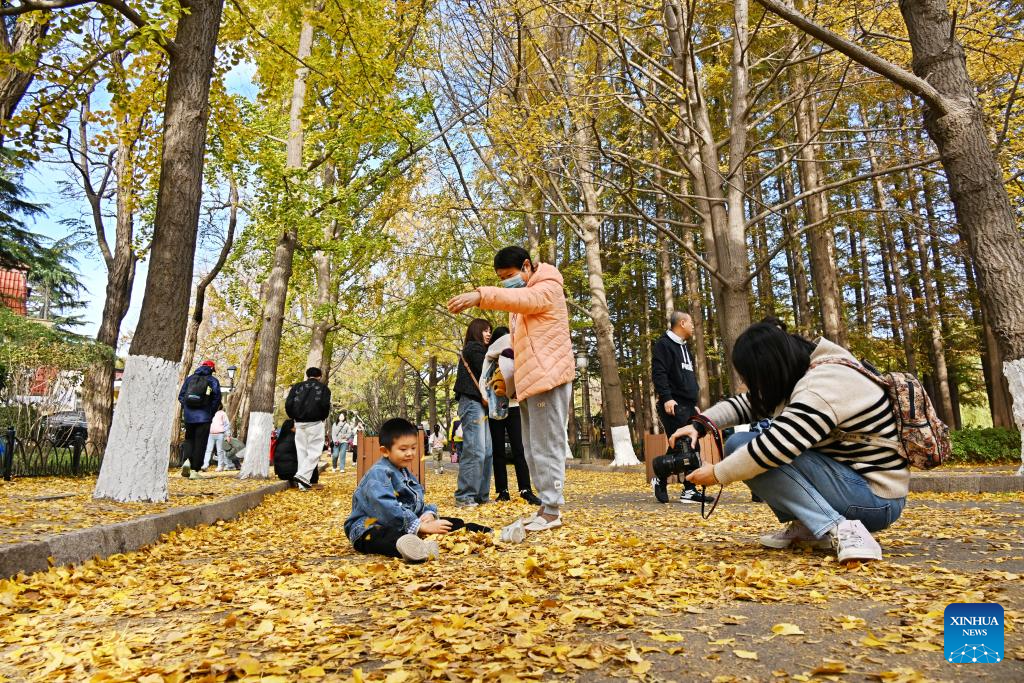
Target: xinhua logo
973, 633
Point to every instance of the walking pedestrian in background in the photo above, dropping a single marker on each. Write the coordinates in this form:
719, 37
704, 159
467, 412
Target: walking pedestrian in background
200, 399
220, 429
309, 404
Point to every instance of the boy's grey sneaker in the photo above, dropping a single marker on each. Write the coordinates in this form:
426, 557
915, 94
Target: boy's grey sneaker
853, 541
795, 533
414, 549
695, 496
466, 504
186, 469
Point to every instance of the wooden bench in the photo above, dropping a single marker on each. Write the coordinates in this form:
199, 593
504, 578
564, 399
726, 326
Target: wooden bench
369, 454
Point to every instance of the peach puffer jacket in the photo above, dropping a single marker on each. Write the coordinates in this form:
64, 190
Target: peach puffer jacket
539, 320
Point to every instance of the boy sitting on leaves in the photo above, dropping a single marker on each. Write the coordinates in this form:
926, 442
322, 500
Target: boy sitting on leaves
389, 515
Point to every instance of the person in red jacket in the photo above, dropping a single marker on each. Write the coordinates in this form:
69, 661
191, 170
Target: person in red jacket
544, 367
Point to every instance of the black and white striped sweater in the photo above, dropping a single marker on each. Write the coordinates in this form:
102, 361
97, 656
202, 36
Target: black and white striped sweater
827, 397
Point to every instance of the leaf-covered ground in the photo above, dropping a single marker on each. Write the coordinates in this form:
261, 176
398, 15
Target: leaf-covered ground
627, 589
33, 507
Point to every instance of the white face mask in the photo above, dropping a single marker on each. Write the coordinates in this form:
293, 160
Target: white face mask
514, 282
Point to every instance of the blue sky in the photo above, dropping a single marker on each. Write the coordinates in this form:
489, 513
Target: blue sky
44, 180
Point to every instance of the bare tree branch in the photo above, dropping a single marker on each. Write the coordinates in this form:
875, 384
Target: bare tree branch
883, 67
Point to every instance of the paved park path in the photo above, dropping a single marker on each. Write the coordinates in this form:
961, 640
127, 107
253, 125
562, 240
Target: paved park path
628, 589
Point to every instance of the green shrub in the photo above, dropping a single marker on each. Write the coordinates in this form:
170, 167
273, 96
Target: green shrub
985, 446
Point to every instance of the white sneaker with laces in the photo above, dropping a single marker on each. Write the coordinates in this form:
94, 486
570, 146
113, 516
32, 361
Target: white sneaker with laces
412, 548
514, 532
538, 523
795, 533
853, 541
695, 496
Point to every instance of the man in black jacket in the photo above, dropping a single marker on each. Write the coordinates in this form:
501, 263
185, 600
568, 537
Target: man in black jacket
309, 404
676, 386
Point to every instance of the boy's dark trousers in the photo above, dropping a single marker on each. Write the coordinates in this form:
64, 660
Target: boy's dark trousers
671, 423
381, 540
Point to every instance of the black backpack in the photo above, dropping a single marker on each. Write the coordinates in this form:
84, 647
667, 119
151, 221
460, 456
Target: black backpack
308, 401
198, 391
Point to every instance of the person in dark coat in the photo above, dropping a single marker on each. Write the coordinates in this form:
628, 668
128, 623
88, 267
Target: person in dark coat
475, 464
675, 383
286, 455
200, 399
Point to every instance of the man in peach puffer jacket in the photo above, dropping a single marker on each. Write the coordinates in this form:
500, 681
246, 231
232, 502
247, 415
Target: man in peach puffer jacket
544, 367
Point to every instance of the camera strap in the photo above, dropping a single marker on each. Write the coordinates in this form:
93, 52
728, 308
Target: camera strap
716, 436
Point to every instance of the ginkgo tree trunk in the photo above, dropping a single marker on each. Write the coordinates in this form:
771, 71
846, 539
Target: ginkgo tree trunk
135, 461
261, 406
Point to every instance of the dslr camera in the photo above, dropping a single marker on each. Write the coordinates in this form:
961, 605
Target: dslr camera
680, 460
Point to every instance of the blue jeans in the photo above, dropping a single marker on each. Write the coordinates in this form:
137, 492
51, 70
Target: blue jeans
338, 455
819, 491
215, 441
475, 460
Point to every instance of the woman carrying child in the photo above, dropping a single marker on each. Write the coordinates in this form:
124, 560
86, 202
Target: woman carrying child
499, 359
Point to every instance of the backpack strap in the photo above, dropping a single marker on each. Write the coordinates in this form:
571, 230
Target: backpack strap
858, 437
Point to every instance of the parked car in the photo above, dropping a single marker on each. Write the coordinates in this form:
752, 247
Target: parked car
65, 427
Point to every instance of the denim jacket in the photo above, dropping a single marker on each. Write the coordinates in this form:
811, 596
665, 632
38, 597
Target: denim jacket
387, 496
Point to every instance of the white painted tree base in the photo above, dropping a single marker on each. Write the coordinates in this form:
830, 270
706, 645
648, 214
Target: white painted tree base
623, 447
257, 447
1014, 371
136, 460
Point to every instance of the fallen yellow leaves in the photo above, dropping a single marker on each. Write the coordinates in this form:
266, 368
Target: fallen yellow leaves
279, 595
787, 630
34, 507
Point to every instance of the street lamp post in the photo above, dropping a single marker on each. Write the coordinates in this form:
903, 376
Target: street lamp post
231, 390
581, 365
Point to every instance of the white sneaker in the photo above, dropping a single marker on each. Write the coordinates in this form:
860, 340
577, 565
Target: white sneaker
514, 532
414, 549
795, 533
853, 541
538, 523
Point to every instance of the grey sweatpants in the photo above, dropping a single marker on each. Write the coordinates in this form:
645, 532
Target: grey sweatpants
545, 443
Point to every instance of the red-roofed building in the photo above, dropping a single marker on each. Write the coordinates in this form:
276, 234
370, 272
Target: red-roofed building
14, 290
